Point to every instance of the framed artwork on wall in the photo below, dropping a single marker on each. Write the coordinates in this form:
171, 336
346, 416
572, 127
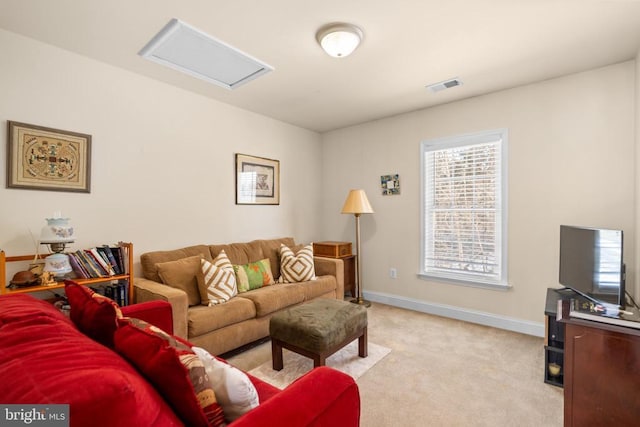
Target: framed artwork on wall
390, 184
257, 180
42, 158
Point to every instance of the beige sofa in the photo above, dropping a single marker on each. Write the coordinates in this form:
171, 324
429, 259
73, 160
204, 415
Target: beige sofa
245, 317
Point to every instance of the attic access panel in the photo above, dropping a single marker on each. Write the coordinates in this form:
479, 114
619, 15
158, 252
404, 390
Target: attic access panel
191, 51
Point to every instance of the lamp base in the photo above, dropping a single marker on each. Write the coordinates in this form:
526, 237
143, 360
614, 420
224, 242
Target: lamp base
361, 301
58, 265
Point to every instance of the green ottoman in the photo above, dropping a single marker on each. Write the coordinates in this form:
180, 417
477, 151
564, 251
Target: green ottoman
318, 329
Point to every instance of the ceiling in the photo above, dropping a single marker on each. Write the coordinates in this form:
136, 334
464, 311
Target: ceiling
408, 44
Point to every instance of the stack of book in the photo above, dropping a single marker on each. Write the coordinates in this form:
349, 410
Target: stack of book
101, 261
117, 291
605, 313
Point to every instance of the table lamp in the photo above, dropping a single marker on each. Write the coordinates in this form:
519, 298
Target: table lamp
358, 204
57, 234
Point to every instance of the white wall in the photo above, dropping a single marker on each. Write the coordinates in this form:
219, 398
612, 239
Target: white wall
571, 161
163, 158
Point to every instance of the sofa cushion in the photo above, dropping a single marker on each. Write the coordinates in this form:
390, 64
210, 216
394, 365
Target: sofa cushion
273, 298
322, 286
94, 314
173, 368
271, 250
204, 319
149, 260
239, 253
244, 253
298, 266
234, 390
216, 280
253, 275
181, 274
44, 359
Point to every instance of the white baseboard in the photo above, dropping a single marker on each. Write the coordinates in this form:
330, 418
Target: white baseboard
473, 316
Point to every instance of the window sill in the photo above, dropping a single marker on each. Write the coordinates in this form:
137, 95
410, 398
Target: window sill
495, 286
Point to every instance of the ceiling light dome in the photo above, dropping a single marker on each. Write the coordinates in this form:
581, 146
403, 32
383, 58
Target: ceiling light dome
339, 40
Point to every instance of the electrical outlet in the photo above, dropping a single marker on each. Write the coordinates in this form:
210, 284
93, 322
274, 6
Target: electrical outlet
393, 273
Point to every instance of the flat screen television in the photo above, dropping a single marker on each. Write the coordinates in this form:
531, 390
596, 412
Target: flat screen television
591, 263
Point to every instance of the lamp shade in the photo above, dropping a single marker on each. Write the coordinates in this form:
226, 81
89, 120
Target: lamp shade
357, 203
339, 40
57, 230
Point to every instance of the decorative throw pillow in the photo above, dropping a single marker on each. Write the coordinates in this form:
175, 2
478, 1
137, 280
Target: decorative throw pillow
94, 314
181, 274
253, 275
298, 267
173, 368
234, 390
217, 280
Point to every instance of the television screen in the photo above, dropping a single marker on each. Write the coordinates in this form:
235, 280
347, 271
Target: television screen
591, 263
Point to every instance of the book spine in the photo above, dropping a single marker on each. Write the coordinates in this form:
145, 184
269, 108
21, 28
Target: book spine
124, 289
120, 299
117, 254
124, 256
77, 267
100, 261
108, 291
80, 258
112, 260
90, 263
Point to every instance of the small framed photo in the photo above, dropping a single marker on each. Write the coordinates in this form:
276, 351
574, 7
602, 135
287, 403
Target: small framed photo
390, 184
257, 180
41, 158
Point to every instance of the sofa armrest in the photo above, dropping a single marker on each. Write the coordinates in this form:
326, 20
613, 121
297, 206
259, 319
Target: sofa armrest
332, 267
149, 290
158, 313
323, 397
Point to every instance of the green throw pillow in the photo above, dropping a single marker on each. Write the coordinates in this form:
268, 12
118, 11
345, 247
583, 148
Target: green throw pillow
253, 275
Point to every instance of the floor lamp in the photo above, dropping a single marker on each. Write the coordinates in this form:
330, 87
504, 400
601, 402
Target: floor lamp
358, 204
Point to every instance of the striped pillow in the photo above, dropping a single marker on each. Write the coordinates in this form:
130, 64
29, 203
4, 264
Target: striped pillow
217, 280
298, 267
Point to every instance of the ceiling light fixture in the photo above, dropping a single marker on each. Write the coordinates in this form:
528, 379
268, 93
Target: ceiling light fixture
339, 39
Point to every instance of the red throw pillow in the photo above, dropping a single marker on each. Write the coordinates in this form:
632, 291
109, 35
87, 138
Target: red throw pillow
173, 368
94, 314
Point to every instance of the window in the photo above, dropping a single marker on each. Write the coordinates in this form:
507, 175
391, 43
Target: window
464, 209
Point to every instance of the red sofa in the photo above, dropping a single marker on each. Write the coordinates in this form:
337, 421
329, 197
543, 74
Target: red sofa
45, 359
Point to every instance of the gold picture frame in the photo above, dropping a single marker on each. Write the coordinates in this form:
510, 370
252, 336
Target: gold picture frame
42, 158
257, 180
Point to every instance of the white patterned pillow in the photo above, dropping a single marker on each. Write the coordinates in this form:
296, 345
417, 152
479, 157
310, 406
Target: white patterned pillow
234, 391
298, 267
217, 280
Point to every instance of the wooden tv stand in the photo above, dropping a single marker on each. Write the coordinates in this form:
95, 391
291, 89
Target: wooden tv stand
601, 372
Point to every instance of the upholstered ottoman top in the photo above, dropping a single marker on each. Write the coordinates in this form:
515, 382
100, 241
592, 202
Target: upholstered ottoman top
318, 325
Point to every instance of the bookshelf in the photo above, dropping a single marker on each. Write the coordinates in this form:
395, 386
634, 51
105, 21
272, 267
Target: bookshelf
128, 249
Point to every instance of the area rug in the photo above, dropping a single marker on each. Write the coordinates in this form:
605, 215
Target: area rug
345, 360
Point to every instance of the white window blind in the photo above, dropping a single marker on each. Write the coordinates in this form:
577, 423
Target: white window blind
463, 211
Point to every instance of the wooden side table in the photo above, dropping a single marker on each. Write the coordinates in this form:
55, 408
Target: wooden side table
340, 250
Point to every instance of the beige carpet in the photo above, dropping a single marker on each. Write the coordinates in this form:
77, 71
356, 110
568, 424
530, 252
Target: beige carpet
345, 360
444, 372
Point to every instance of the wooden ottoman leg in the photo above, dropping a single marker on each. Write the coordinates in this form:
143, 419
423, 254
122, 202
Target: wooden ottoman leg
319, 360
363, 348
276, 355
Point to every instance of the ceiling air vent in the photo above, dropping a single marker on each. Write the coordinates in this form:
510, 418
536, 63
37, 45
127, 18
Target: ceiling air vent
187, 49
447, 84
